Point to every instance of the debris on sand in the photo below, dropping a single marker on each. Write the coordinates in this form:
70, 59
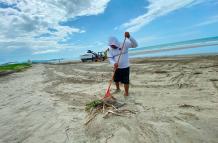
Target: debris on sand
108, 106
186, 106
160, 72
93, 104
197, 108
197, 73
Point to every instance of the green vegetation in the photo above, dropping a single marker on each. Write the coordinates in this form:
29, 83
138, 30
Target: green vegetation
93, 104
14, 67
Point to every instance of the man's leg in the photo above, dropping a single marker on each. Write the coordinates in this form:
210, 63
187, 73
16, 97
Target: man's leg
117, 79
126, 88
126, 80
117, 85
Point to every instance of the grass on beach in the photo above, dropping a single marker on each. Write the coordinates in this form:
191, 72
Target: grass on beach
15, 67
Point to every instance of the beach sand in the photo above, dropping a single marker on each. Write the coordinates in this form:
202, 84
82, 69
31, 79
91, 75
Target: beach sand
175, 99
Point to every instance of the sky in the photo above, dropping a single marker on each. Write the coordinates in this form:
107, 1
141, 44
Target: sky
48, 29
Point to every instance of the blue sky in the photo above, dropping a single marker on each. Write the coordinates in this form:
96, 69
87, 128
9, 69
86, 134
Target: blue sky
47, 29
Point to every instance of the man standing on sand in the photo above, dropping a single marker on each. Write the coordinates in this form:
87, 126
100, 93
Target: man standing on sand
122, 70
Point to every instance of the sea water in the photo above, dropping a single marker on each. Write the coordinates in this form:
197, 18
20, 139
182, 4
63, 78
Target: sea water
197, 46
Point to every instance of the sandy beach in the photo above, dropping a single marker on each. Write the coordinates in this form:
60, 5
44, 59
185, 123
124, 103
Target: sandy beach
175, 99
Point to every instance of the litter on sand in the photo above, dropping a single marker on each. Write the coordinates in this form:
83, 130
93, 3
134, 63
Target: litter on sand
107, 106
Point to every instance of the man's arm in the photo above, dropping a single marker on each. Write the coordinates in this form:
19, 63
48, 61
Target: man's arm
112, 59
133, 43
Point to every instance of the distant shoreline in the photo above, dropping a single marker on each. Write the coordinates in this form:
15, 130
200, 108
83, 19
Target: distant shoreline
177, 56
142, 52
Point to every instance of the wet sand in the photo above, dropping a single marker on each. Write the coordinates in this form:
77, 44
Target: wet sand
175, 99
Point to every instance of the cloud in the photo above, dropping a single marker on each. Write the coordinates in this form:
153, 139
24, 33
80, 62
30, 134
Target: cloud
155, 9
46, 51
22, 21
210, 20
147, 39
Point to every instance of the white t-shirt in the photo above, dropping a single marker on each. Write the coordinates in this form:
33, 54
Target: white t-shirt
113, 54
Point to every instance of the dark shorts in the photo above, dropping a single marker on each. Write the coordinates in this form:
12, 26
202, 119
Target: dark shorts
122, 75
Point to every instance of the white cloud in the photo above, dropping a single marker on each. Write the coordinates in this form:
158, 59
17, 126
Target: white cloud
46, 51
24, 20
155, 9
210, 20
146, 39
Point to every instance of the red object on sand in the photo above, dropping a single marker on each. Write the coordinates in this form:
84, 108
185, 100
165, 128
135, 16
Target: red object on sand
108, 89
108, 94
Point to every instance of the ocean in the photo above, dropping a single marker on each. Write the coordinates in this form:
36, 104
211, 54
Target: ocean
198, 46
191, 47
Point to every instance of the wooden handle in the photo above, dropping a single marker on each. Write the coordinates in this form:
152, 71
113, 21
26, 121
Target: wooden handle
117, 63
